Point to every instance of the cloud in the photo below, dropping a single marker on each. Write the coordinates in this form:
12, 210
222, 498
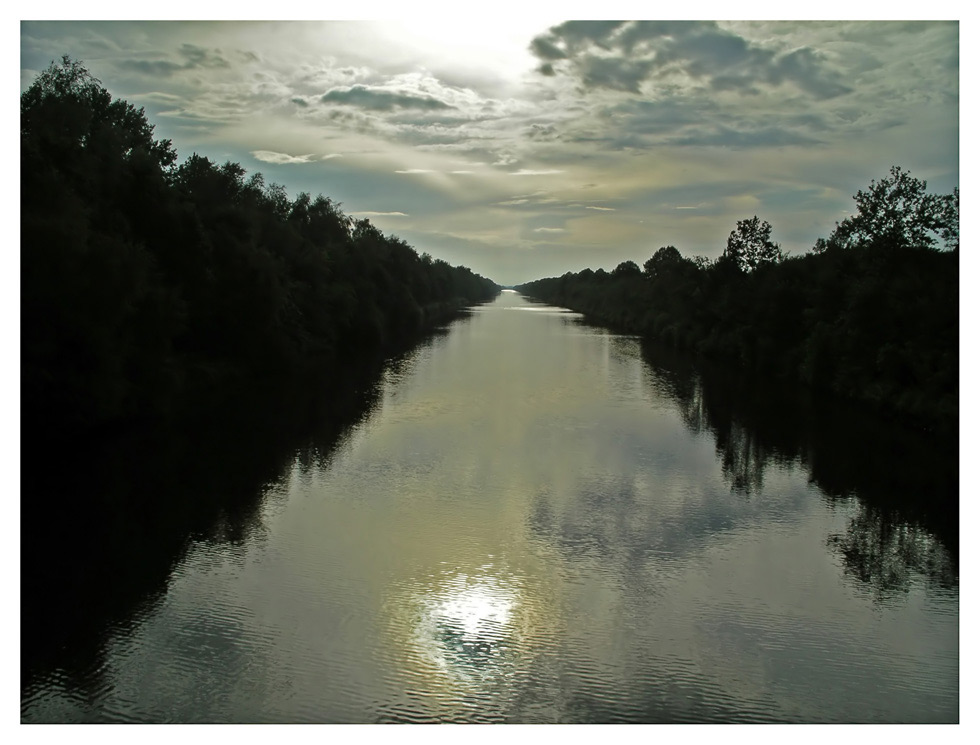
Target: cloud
602, 209
270, 156
624, 56
380, 214
416, 170
692, 121
803, 67
576, 35
615, 73
195, 57
161, 68
541, 131
380, 99
200, 57
533, 172
550, 230
536, 198
544, 49
727, 137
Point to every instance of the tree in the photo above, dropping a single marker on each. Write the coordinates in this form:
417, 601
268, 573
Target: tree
146, 283
897, 212
66, 113
750, 245
663, 261
626, 269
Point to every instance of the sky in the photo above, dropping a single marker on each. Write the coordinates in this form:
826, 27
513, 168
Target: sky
527, 145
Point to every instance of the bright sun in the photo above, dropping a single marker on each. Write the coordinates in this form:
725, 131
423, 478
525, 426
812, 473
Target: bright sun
498, 44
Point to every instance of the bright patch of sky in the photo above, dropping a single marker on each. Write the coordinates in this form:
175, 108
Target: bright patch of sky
525, 145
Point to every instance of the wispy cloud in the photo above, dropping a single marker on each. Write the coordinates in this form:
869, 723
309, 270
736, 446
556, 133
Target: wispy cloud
601, 209
270, 156
550, 230
369, 213
533, 172
416, 170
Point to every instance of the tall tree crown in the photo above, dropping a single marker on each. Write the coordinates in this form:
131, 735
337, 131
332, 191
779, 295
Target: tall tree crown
750, 244
898, 212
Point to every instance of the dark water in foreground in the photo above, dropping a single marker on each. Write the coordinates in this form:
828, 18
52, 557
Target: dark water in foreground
525, 519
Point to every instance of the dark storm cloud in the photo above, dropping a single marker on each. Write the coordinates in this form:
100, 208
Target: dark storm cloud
622, 56
376, 99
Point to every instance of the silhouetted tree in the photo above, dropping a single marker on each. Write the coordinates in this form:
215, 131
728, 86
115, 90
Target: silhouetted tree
665, 259
750, 244
146, 284
626, 269
876, 325
897, 212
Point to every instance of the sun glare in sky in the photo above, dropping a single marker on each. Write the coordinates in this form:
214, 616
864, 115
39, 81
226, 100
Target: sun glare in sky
497, 44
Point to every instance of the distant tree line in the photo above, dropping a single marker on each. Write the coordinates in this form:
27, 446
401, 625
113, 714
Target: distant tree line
145, 280
870, 313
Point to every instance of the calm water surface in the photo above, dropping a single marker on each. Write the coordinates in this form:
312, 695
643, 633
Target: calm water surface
528, 519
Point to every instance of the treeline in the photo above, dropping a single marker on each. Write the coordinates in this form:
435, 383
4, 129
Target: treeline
871, 313
145, 281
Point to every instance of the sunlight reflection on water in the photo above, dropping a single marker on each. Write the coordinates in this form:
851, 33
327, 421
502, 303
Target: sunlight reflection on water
467, 627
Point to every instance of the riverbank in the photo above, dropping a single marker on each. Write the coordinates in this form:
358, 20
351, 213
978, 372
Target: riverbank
874, 325
148, 284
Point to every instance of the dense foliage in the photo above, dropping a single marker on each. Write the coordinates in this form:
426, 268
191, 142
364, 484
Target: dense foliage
871, 313
144, 280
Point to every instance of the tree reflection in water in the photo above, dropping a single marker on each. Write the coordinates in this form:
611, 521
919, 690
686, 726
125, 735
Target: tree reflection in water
904, 484
887, 553
104, 523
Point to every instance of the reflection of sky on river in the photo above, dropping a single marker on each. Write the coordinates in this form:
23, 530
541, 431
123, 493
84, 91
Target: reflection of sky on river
556, 455
526, 530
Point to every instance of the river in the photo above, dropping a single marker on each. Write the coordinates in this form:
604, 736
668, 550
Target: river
523, 519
